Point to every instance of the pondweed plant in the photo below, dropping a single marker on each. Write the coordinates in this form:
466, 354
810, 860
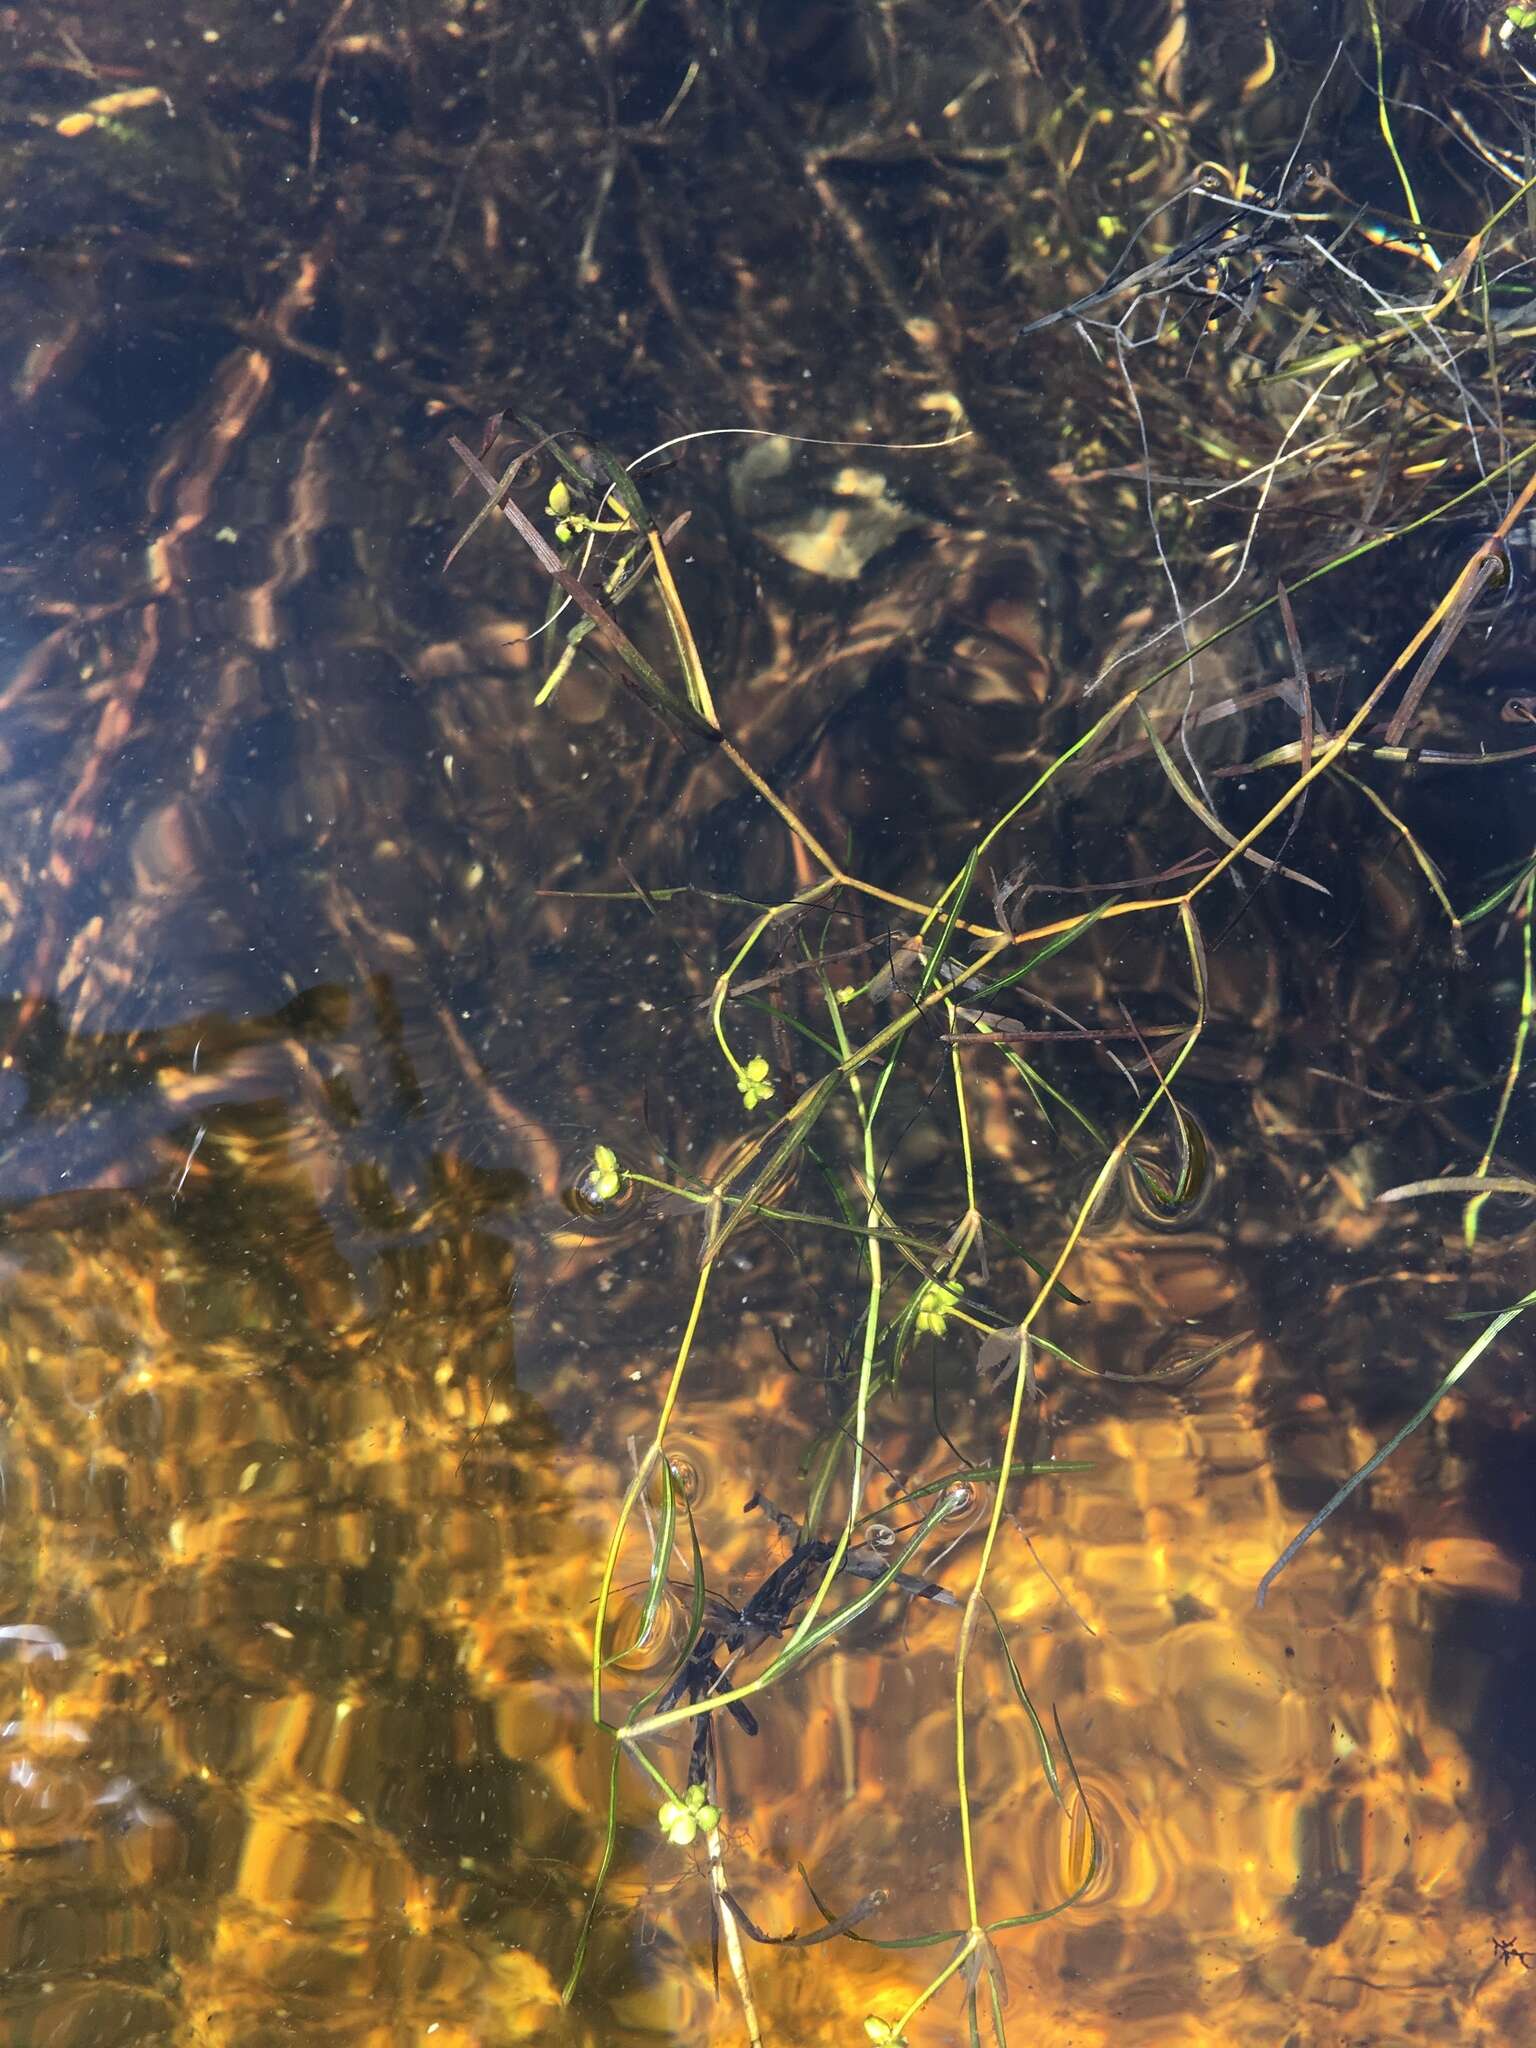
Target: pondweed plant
952, 962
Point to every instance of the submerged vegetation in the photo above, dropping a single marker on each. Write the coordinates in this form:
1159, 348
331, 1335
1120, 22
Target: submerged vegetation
1325, 344
928, 897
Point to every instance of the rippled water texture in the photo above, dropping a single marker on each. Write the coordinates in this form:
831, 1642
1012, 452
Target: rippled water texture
327, 958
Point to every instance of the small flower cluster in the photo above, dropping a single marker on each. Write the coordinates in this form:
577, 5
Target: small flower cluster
753, 1081
680, 1823
569, 523
604, 1178
883, 2034
936, 1304
557, 509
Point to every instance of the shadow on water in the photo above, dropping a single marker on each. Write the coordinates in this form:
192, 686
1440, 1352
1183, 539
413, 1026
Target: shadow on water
330, 958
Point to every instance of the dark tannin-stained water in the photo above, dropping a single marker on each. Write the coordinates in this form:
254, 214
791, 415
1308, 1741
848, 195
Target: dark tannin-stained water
383, 996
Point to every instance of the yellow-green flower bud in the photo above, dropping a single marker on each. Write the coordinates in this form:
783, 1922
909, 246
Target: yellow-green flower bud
936, 1304
677, 1823
604, 1178
753, 1081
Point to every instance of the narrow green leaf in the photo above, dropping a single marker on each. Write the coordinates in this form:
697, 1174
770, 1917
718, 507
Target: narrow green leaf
1021, 1692
796, 1127
605, 1863
939, 952
1463, 1365
661, 1553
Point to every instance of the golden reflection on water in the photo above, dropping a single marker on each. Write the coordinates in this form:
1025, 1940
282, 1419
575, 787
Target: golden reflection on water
1291, 1832
297, 1589
276, 1690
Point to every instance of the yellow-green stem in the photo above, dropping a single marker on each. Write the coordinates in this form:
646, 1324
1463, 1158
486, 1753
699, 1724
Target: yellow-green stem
638, 1484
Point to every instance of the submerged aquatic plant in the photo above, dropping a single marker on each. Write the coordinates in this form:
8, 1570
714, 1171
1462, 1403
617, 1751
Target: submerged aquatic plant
936, 1304
753, 1081
965, 970
682, 1821
961, 967
603, 1180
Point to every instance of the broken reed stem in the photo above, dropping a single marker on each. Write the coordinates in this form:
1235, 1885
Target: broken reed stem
1481, 570
736, 1955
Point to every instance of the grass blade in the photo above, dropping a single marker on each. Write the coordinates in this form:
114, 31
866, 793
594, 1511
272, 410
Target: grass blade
634, 670
605, 1863
1463, 1365
661, 1559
